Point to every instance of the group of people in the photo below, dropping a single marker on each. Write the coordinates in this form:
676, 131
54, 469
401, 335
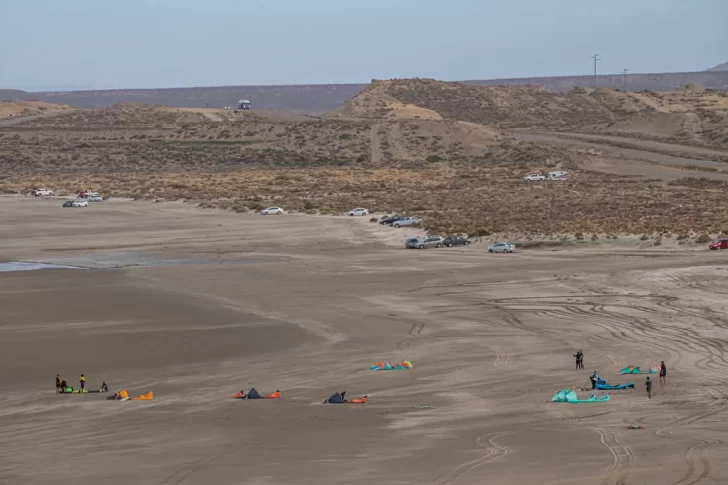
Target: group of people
663, 379
62, 385
594, 377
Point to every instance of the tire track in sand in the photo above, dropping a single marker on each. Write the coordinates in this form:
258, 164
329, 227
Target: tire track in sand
622, 456
495, 452
698, 464
415, 332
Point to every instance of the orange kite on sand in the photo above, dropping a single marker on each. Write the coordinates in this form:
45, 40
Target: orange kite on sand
340, 398
253, 394
124, 396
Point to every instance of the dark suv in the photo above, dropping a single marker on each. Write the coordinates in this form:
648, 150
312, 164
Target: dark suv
390, 220
456, 241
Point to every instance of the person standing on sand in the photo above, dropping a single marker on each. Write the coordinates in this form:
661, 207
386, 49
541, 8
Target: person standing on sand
82, 380
648, 386
58, 383
663, 372
579, 359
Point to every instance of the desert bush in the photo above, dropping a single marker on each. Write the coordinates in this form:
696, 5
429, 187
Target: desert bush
644, 237
579, 236
433, 159
373, 219
703, 239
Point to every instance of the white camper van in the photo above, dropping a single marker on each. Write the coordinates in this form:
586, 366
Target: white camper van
558, 175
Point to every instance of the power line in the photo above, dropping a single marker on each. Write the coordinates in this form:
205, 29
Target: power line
596, 59
624, 77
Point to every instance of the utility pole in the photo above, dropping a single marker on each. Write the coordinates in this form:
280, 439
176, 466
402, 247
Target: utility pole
596, 59
624, 77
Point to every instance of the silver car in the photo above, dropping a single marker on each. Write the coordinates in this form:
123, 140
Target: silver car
406, 221
431, 241
502, 247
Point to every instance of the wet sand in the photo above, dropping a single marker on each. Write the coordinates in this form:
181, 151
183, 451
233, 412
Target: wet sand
196, 305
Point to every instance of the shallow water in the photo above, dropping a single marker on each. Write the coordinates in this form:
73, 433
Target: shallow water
131, 259
24, 266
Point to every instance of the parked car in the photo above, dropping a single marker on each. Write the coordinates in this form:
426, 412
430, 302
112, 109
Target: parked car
406, 221
358, 212
502, 247
86, 194
76, 203
42, 192
94, 198
431, 241
389, 220
534, 177
451, 241
719, 244
272, 211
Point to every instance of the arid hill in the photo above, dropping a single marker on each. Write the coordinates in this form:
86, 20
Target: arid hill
719, 68
132, 136
319, 99
18, 109
442, 151
689, 115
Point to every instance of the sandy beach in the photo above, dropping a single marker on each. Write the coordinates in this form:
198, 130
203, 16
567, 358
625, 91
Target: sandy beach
196, 305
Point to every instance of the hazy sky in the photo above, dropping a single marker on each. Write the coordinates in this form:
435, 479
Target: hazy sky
66, 44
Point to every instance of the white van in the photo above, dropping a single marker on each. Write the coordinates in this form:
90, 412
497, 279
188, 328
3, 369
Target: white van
558, 175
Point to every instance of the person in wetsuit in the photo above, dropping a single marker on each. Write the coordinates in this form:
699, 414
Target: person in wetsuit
663, 372
593, 378
648, 386
579, 360
58, 383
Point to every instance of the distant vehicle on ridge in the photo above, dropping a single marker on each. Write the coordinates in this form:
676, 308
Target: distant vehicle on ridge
534, 177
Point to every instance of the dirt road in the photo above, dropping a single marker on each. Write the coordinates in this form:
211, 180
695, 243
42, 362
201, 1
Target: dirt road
196, 305
647, 150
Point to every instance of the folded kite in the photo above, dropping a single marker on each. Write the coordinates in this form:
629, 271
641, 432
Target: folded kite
636, 370
567, 395
603, 386
339, 398
404, 365
253, 394
123, 395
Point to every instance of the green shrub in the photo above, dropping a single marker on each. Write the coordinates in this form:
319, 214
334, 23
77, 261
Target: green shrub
703, 239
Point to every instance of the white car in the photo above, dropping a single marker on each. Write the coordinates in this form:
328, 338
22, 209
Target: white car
534, 177
79, 203
406, 221
358, 212
39, 192
502, 247
272, 211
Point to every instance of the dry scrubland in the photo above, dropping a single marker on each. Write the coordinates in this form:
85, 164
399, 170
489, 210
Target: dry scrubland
18, 109
439, 150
